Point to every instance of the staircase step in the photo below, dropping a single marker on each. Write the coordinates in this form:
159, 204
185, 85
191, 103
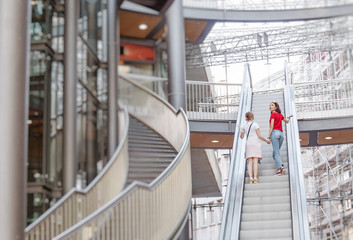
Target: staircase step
152, 154
146, 141
149, 153
259, 201
147, 169
270, 165
282, 183
270, 172
283, 150
156, 138
265, 179
136, 165
145, 180
151, 160
142, 133
263, 216
271, 161
147, 146
137, 129
272, 233
150, 150
134, 175
267, 193
266, 208
263, 225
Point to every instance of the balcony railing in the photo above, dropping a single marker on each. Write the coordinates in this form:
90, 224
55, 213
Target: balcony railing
213, 101
220, 101
324, 99
204, 100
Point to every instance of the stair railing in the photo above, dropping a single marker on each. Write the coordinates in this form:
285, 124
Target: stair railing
300, 222
157, 210
77, 204
230, 227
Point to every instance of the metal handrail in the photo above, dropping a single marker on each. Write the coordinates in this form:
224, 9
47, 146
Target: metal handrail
145, 78
230, 227
40, 227
205, 100
300, 222
180, 165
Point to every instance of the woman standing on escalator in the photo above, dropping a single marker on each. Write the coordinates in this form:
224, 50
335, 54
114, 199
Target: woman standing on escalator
253, 145
276, 135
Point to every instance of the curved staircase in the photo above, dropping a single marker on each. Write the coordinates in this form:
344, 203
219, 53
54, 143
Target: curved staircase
156, 171
149, 153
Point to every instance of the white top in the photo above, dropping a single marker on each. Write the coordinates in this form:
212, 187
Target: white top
252, 133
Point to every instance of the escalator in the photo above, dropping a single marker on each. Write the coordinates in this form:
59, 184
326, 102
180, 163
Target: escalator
275, 208
266, 205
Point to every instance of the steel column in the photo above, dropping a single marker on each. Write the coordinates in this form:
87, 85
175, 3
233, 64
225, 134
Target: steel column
91, 123
113, 59
70, 80
15, 18
176, 55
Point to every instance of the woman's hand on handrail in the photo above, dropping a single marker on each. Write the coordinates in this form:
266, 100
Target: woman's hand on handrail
286, 120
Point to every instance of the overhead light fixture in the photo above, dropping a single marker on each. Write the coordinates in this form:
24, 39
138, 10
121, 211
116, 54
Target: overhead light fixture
29, 121
328, 138
142, 26
215, 141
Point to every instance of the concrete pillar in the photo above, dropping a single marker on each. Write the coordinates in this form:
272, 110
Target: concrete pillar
15, 17
176, 55
113, 60
70, 80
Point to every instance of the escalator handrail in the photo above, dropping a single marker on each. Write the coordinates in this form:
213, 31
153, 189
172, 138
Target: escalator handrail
300, 222
230, 227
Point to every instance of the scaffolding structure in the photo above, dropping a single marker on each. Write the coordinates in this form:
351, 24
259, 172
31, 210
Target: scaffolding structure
312, 37
328, 176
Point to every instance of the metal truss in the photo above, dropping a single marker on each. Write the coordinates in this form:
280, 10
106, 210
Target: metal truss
312, 37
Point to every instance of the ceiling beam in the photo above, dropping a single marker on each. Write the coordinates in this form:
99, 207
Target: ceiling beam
222, 15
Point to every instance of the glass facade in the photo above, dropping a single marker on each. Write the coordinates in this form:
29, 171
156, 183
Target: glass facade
46, 110
45, 120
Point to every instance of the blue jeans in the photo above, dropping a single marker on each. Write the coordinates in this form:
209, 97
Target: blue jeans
277, 140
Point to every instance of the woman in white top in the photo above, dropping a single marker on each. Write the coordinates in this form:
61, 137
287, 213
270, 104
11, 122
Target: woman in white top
253, 145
